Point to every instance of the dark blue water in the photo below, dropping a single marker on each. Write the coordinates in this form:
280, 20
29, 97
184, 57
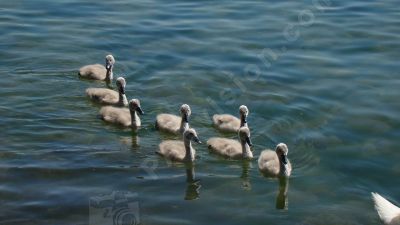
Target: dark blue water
321, 76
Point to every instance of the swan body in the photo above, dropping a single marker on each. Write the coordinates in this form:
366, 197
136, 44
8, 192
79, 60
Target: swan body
230, 148
97, 71
109, 97
172, 123
122, 116
180, 151
229, 123
275, 163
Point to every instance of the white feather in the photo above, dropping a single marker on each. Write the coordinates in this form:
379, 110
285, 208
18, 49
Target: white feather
386, 210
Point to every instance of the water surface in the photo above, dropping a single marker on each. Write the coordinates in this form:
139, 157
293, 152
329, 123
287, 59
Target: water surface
319, 76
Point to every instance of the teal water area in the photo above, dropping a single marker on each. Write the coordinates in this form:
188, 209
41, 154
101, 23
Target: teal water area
321, 76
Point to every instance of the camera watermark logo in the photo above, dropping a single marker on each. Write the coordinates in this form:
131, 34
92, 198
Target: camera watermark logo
117, 208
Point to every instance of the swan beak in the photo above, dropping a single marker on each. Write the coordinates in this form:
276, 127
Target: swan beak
284, 159
139, 110
108, 66
196, 139
249, 141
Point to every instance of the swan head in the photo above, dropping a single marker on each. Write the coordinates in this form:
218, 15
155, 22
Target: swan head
282, 151
134, 106
244, 112
244, 136
121, 83
191, 135
185, 112
109, 62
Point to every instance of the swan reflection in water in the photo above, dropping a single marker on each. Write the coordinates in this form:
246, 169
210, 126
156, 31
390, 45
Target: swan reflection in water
246, 166
282, 201
133, 140
282, 196
192, 184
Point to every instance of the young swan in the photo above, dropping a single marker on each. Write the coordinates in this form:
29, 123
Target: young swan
109, 97
229, 123
388, 213
174, 124
275, 163
123, 116
178, 150
97, 71
231, 148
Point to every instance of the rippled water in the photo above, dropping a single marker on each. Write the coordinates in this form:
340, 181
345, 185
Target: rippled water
321, 76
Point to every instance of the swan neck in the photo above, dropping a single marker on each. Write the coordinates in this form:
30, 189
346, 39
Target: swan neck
284, 169
246, 152
122, 100
189, 150
243, 121
109, 74
135, 120
184, 125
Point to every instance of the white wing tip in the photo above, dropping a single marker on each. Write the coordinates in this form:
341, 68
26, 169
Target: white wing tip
386, 210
